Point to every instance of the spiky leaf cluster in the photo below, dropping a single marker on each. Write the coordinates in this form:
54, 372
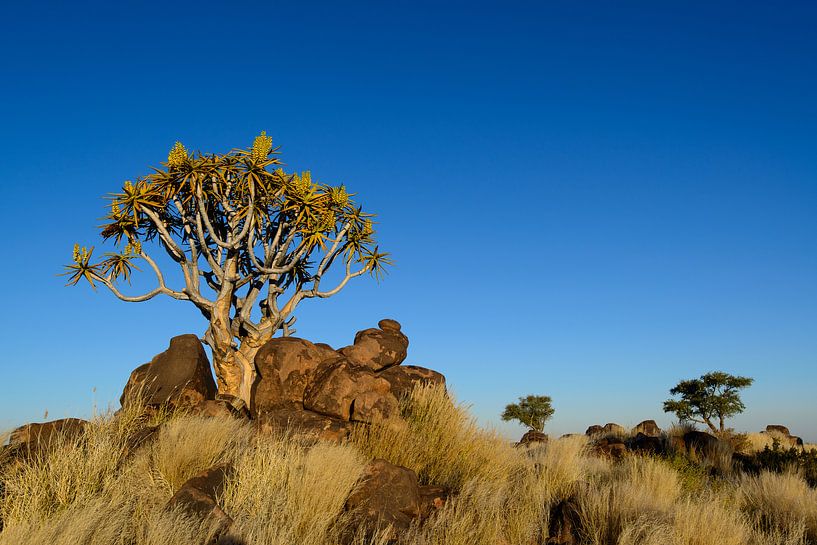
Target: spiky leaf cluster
237, 220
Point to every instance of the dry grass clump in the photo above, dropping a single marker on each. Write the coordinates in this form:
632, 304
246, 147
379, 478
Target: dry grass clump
617, 503
440, 441
566, 463
187, 446
283, 492
75, 469
779, 502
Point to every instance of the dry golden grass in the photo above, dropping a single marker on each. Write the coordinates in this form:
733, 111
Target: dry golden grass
440, 441
759, 441
779, 502
90, 490
283, 492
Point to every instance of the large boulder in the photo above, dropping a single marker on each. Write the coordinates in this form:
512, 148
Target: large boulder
286, 366
197, 497
612, 427
648, 444
565, 523
783, 435
33, 439
610, 447
303, 424
595, 429
218, 408
778, 428
351, 392
432, 499
378, 348
648, 427
386, 495
404, 378
180, 376
700, 442
532, 437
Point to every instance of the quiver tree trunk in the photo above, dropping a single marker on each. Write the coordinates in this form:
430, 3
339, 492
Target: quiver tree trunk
251, 243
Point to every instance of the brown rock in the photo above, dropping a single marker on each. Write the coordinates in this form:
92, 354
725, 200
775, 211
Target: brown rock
533, 436
286, 366
303, 425
432, 499
378, 348
350, 392
565, 521
180, 376
610, 447
700, 442
197, 497
611, 427
595, 429
646, 444
138, 439
404, 378
389, 324
216, 408
36, 438
778, 429
649, 428
386, 495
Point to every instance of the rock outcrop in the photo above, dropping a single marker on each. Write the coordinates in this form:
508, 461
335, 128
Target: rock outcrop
612, 427
783, 435
41, 435
378, 348
700, 442
350, 392
318, 388
595, 429
197, 497
179, 377
386, 496
532, 437
648, 444
648, 427
304, 425
286, 366
404, 378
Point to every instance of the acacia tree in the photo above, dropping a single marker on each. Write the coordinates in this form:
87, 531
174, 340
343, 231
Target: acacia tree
251, 242
712, 396
531, 411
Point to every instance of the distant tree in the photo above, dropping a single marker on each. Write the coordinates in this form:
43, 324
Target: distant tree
250, 242
710, 397
531, 411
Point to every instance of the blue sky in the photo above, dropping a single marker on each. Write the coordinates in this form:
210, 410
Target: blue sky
587, 200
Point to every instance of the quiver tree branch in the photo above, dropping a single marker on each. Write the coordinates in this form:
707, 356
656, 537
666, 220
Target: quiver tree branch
253, 233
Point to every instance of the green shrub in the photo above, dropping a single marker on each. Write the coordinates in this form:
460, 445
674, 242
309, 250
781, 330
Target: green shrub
778, 460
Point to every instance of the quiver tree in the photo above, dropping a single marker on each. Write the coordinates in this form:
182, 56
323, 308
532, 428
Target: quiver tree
712, 397
251, 242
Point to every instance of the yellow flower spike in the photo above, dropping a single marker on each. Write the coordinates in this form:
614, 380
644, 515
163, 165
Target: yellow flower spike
128, 186
339, 196
76, 253
178, 156
261, 146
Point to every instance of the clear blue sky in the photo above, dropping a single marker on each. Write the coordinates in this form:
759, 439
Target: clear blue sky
590, 200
